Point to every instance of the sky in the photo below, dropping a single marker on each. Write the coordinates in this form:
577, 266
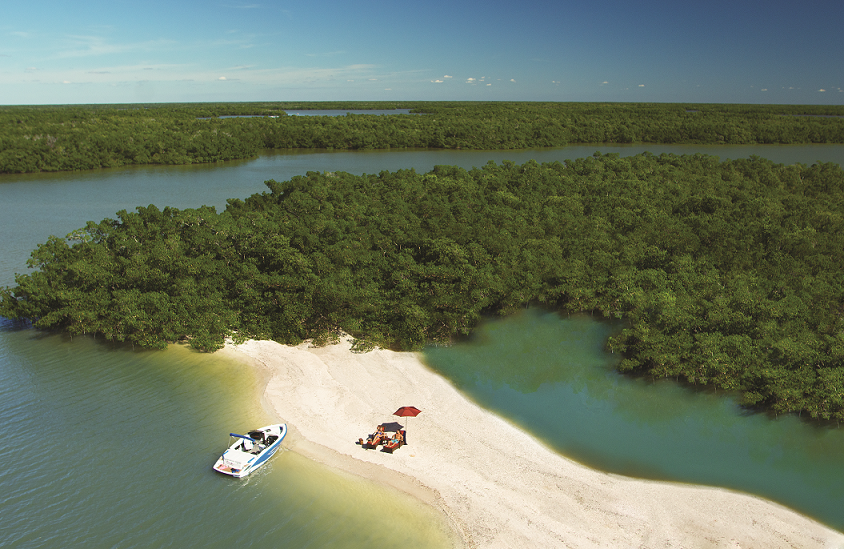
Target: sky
120, 51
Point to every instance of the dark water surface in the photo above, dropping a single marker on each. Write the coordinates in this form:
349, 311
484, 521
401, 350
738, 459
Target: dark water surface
111, 447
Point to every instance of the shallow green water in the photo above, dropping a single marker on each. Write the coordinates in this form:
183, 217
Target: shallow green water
113, 448
552, 376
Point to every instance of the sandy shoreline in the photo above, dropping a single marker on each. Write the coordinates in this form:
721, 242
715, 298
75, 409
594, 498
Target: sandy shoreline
498, 487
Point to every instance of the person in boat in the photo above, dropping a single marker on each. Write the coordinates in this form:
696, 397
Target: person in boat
247, 445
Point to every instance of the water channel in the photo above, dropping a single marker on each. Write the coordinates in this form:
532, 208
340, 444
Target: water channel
112, 446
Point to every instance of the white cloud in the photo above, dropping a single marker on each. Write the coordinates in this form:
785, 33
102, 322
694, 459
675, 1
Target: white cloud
821, 90
470, 80
489, 84
85, 46
222, 78
604, 82
166, 76
641, 85
512, 80
447, 76
437, 81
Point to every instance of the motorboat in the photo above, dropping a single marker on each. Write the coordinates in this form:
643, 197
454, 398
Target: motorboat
248, 452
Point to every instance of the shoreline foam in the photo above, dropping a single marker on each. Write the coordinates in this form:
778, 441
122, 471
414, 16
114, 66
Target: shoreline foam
496, 485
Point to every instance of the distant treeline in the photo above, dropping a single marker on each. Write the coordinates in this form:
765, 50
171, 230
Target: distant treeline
728, 274
58, 138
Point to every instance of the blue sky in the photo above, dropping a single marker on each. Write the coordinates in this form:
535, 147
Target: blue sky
119, 51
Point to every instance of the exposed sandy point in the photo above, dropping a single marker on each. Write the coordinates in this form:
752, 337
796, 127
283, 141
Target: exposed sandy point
497, 486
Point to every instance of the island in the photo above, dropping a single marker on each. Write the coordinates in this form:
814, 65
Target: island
727, 274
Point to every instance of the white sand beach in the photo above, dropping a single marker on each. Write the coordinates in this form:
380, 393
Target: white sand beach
497, 486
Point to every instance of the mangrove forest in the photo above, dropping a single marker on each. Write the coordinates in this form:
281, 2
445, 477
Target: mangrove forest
727, 274
83, 137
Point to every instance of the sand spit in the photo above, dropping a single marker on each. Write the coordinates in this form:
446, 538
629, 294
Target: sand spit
496, 485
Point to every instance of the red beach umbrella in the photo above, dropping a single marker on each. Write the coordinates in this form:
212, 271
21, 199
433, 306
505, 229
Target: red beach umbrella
407, 411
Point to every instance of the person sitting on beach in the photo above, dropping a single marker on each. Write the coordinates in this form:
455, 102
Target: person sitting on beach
397, 438
380, 435
375, 438
396, 442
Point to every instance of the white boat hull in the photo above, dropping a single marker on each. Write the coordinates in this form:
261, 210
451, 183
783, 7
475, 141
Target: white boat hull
239, 462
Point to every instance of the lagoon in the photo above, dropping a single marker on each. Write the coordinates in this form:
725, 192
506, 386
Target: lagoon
552, 376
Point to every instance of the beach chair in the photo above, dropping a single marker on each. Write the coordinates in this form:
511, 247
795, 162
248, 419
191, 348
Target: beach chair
374, 439
395, 443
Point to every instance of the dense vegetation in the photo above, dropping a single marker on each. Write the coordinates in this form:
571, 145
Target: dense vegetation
34, 139
729, 274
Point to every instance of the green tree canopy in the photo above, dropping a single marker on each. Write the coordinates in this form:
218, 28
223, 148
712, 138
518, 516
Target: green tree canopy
728, 274
59, 138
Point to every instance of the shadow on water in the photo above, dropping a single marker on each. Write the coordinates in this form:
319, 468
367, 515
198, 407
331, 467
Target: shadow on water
56, 335
12, 325
554, 377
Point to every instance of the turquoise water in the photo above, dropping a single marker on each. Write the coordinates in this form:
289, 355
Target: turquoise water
552, 376
113, 447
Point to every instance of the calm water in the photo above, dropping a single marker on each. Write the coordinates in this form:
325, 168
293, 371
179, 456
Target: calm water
552, 376
129, 436
109, 447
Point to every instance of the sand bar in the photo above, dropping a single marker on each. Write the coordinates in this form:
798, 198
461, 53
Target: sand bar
497, 486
